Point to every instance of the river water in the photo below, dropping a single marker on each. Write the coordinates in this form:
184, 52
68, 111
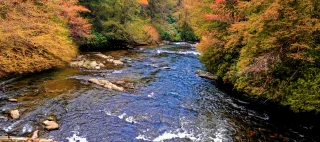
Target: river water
164, 100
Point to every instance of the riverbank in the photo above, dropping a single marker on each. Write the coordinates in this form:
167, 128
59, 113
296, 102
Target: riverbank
306, 122
34, 60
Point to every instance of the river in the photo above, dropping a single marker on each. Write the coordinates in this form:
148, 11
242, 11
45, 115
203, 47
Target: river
164, 100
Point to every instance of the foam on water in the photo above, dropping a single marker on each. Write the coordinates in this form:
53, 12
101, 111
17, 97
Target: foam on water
142, 137
75, 138
151, 95
122, 115
219, 135
172, 135
179, 52
130, 119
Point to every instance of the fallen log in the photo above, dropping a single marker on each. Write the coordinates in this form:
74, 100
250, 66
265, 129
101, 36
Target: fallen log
23, 139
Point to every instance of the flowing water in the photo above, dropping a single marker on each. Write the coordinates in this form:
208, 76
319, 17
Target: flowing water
164, 100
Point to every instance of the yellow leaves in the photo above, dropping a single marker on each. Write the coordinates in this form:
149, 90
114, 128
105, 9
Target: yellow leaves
243, 62
142, 32
209, 41
31, 41
205, 42
272, 13
298, 52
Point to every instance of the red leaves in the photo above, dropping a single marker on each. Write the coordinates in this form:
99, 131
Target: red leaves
79, 26
219, 1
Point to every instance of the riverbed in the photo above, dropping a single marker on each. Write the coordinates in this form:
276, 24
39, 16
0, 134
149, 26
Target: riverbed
163, 100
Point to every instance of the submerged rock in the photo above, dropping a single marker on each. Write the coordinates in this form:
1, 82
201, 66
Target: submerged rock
14, 114
205, 74
106, 84
51, 125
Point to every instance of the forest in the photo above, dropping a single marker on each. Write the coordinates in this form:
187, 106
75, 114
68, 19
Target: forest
268, 49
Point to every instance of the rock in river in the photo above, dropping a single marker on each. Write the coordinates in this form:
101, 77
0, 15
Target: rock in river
51, 125
205, 74
87, 64
117, 62
110, 59
103, 56
106, 84
120, 82
14, 114
35, 134
12, 100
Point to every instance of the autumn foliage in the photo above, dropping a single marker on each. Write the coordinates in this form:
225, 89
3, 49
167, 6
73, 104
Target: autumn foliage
152, 34
34, 34
79, 26
267, 49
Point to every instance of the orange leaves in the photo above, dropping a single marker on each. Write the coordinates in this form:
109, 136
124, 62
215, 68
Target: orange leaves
223, 12
272, 12
152, 33
143, 2
212, 17
79, 26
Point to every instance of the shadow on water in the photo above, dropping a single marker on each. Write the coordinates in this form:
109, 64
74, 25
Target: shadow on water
164, 100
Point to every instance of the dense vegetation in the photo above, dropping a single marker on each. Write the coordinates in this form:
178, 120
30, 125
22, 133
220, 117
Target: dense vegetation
267, 49
34, 34
136, 22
